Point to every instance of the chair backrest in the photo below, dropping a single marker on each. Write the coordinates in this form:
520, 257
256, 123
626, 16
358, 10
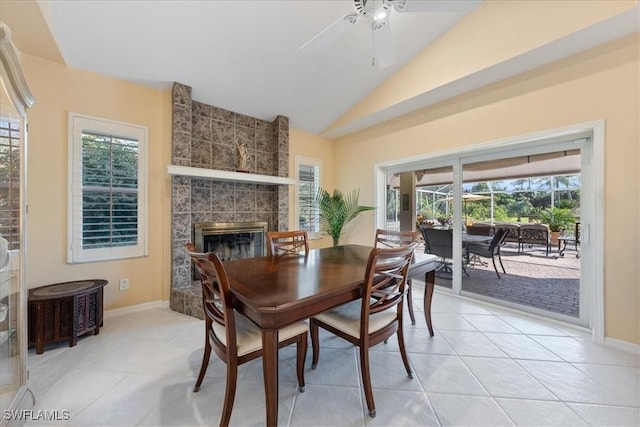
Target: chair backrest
498, 238
438, 242
480, 229
393, 239
514, 230
534, 233
216, 298
287, 243
384, 281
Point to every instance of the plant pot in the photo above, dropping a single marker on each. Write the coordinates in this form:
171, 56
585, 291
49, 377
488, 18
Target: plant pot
554, 237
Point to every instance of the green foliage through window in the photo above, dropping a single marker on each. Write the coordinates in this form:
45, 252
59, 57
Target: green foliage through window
10, 181
109, 191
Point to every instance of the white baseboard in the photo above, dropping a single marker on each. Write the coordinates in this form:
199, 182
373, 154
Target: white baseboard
135, 308
625, 346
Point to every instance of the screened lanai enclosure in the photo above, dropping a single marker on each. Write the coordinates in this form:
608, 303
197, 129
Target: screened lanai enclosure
534, 201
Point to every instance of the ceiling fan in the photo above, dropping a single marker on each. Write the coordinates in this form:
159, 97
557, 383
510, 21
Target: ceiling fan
377, 13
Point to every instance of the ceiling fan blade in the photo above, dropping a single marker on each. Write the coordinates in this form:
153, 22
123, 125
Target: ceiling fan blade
433, 5
383, 48
330, 34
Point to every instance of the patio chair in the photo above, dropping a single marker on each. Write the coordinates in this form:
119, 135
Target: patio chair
514, 231
480, 229
439, 242
491, 250
535, 234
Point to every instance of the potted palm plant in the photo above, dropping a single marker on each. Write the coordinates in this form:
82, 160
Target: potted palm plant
558, 219
336, 210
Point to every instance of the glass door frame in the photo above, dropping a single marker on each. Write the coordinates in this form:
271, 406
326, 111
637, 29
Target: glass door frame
592, 213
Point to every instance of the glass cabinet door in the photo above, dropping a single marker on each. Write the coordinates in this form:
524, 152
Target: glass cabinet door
14, 99
10, 242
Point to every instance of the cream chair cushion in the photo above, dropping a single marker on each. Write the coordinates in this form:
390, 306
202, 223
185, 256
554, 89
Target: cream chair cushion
346, 318
249, 336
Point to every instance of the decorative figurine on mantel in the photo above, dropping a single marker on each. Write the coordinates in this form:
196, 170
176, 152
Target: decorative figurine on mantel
242, 157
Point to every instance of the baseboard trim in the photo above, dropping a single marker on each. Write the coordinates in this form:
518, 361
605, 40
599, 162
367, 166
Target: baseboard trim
135, 308
626, 346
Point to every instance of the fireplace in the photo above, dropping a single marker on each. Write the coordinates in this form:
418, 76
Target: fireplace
231, 240
205, 137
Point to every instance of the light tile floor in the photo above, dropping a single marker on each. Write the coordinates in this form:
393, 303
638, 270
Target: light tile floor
486, 366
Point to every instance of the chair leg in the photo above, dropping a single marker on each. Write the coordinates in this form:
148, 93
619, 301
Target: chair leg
501, 264
366, 381
410, 302
301, 348
205, 363
403, 353
315, 343
230, 393
493, 258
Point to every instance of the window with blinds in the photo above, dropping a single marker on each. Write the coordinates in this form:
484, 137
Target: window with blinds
10, 181
308, 174
108, 212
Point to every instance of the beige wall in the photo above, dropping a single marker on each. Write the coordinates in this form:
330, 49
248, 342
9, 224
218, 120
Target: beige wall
59, 90
496, 32
602, 83
310, 145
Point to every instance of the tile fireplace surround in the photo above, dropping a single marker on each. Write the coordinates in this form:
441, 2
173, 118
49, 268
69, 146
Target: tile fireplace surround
204, 136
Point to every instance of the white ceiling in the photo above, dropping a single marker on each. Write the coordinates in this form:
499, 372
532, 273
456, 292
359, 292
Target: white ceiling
240, 55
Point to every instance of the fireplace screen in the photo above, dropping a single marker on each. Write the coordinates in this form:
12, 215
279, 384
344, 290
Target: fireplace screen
231, 240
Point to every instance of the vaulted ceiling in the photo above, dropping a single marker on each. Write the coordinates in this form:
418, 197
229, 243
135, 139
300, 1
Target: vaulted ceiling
244, 55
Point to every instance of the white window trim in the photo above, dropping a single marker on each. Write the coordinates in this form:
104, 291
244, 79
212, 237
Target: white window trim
310, 161
77, 124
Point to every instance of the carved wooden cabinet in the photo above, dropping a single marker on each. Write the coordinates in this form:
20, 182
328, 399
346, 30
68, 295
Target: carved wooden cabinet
64, 311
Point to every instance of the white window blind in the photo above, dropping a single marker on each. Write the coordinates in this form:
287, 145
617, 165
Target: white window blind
108, 201
308, 174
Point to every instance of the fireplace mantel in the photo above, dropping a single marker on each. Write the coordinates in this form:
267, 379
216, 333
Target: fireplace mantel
222, 175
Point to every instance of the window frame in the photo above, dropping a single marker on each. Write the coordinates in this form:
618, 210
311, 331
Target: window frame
316, 163
79, 124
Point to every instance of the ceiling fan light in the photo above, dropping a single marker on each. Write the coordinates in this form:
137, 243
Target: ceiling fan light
380, 15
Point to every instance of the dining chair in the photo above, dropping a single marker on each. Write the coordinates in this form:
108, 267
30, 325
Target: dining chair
232, 336
287, 243
393, 239
491, 249
373, 318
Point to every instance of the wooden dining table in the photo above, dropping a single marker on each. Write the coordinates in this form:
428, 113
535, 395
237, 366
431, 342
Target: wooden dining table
277, 291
